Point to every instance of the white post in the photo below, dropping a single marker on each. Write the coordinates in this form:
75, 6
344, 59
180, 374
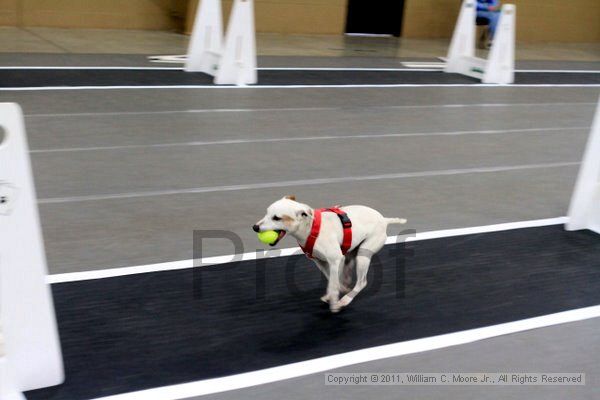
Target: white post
205, 45
463, 39
500, 66
33, 356
584, 212
8, 383
238, 61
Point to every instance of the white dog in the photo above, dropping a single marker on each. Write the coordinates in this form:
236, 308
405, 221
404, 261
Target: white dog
368, 235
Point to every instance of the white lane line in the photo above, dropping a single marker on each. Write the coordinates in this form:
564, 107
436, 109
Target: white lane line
365, 86
302, 182
559, 71
436, 68
133, 68
351, 69
192, 111
294, 109
306, 139
433, 68
87, 67
424, 64
314, 366
225, 259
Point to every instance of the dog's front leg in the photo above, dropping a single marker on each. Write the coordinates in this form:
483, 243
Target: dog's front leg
347, 273
324, 268
333, 284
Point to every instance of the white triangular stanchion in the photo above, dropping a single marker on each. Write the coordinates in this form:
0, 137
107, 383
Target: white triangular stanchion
8, 384
206, 41
238, 61
500, 65
232, 62
584, 212
463, 39
26, 308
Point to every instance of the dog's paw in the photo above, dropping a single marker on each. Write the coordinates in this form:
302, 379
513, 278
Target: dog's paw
344, 301
335, 307
334, 301
325, 298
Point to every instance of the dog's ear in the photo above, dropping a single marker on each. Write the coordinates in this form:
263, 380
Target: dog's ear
290, 197
304, 213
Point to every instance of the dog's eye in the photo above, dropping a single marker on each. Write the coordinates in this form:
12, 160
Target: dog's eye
276, 218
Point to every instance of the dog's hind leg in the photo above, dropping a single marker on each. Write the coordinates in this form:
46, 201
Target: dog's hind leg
363, 260
362, 268
348, 272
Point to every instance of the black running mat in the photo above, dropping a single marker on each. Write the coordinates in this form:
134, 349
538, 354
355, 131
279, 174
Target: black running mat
137, 332
129, 77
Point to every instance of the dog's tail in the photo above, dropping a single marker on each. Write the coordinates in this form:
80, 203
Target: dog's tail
395, 221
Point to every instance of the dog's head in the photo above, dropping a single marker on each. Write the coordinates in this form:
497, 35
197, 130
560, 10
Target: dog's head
285, 215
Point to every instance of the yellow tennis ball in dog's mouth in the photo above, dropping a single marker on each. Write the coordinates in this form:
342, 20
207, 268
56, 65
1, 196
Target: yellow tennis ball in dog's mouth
268, 237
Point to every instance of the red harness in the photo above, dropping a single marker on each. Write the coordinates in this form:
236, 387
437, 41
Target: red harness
316, 228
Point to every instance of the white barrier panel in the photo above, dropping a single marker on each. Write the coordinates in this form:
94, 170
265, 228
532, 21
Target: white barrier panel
463, 39
204, 50
33, 357
8, 387
584, 212
238, 62
500, 66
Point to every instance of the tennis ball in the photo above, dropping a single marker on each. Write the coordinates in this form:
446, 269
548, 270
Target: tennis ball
268, 237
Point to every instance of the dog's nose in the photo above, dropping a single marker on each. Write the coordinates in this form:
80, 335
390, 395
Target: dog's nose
256, 228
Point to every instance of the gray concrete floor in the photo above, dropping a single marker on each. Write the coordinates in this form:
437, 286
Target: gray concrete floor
81, 143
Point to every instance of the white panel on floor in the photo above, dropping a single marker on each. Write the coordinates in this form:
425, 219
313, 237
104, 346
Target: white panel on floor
584, 212
33, 356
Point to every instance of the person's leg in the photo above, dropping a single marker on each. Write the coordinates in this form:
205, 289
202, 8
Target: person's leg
483, 14
493, 17
484, 22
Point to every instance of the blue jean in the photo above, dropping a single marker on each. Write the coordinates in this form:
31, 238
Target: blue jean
493, 17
